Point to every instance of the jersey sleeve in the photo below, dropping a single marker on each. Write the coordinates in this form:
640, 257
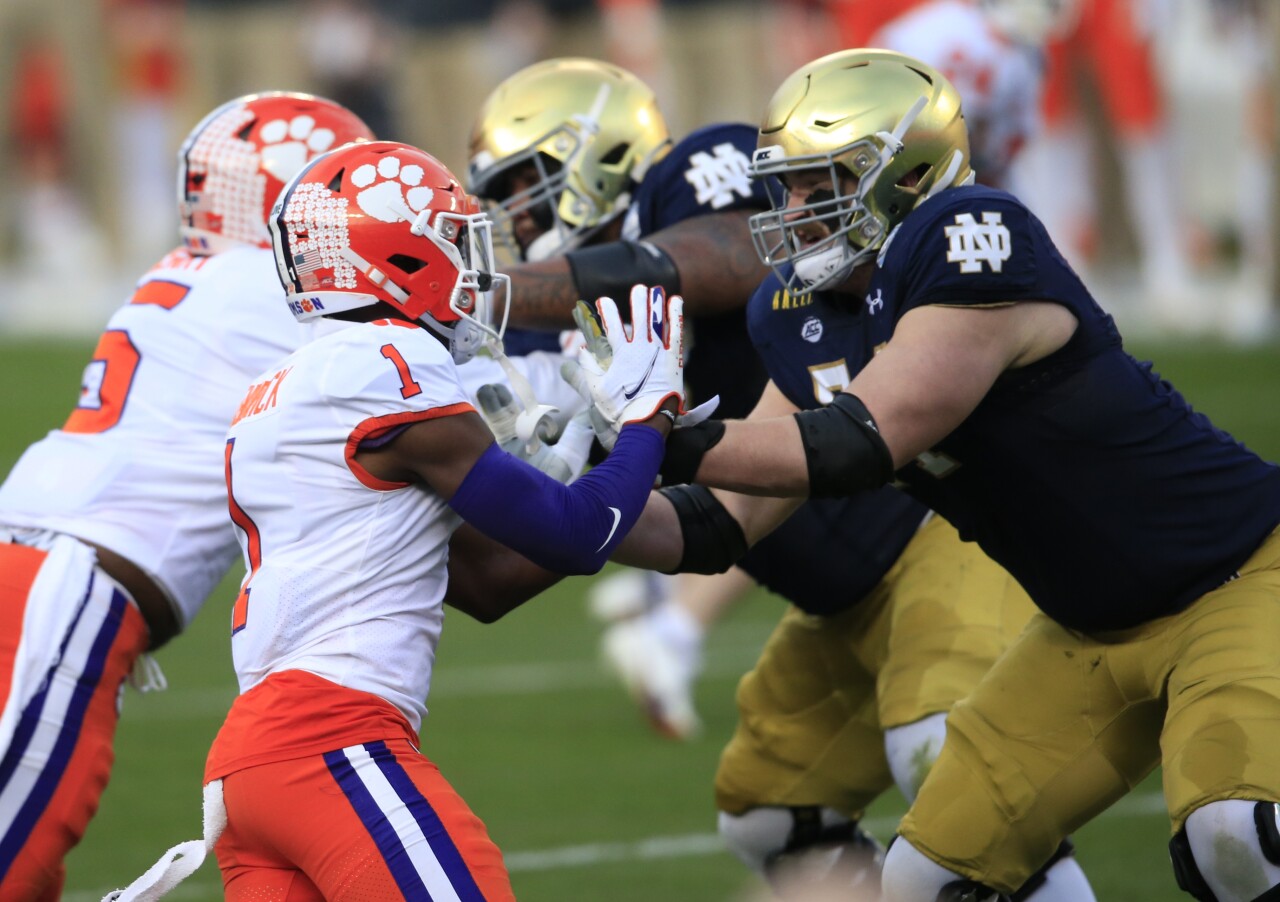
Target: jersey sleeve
978, 251
705, 173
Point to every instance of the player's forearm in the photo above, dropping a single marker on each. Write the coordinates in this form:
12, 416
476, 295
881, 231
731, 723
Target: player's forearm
488, 580
542, 295
758, 457
654, 542
567, 529
717, 261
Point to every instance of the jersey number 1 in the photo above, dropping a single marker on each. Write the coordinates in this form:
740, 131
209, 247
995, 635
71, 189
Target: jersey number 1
408, 387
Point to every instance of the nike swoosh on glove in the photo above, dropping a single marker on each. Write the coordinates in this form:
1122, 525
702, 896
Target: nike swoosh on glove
628, 376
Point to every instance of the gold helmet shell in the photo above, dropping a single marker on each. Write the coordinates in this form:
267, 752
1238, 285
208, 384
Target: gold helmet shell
590, 129
887, 119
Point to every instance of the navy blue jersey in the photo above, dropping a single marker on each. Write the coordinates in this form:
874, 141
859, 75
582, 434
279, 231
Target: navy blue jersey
705, 173
833, 551
1085, 475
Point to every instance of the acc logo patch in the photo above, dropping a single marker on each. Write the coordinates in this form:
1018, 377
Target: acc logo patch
972, 243
811, 331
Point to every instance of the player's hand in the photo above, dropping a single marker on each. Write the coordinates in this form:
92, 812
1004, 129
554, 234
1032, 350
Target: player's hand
563, 461
629, 376
607, 432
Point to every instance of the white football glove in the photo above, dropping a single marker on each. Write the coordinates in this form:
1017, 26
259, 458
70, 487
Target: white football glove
562, 461
629, 376
596, 346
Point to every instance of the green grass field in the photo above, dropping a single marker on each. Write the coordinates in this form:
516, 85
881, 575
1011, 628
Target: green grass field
584, 801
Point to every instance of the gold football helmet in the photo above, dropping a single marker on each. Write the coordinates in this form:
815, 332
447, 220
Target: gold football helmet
585, 132
889, 132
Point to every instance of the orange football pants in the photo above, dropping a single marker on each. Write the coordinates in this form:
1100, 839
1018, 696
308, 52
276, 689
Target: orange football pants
374, 821
58, 756
1108, 41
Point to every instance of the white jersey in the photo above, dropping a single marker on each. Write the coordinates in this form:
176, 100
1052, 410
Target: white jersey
138, 466
346, 573
999, 81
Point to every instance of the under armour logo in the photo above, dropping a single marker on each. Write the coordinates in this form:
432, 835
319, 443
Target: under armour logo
717, 176
973, 244
875, 303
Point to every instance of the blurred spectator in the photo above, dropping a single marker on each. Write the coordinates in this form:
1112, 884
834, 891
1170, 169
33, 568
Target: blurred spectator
125, 70
345, 43
633, 38
1248, 29
1110, 51
520, 31
803, 30
54, 231
995, 65
147, 64
235, 47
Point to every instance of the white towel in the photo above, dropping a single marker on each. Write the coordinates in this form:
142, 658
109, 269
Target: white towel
182, 860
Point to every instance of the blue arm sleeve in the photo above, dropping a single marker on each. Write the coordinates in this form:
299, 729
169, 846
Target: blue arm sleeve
569, 529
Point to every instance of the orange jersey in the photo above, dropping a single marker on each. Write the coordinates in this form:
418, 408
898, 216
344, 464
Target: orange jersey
857, 20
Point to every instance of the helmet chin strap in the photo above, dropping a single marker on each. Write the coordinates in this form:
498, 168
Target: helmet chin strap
373, 274
827, 267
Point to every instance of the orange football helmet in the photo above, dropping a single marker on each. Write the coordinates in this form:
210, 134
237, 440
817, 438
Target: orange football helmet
232, 165
386, 222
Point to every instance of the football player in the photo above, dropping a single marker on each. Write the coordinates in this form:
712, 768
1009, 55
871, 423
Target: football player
905, 616
113, 527
593, 195
977, 370
348, 466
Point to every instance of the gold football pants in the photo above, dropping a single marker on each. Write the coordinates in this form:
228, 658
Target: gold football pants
1065, 724
813, 711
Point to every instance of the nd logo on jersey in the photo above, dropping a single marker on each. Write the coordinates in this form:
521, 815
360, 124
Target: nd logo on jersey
973, 244
717, 176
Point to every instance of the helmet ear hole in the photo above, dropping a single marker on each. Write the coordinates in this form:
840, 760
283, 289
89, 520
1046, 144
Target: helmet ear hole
615, 154
406, 264
912, 178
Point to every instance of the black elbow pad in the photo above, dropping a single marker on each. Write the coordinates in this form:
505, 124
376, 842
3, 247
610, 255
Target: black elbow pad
843, 448
713, 539
609, 270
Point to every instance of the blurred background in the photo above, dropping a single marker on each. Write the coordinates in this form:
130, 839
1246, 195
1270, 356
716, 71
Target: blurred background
1154, 167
